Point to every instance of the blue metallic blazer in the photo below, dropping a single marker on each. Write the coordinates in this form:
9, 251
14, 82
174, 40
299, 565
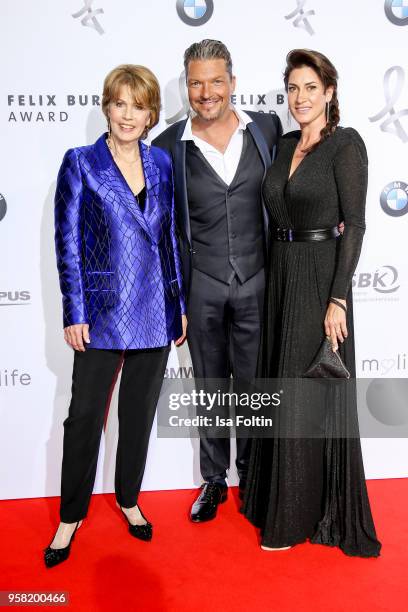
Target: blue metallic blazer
119, 267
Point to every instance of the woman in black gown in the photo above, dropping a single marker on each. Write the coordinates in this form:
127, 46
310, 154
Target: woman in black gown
314, 488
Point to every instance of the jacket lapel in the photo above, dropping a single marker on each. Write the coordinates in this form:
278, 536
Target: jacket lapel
180, 180
260, 144
152, 180
264, 152
115, 180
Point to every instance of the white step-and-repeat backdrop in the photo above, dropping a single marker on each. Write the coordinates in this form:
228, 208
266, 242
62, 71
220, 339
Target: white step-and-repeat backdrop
55, 56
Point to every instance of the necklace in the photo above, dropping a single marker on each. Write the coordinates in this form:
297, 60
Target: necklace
117, 157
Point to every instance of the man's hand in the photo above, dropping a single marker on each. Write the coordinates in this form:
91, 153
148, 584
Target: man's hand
76, 335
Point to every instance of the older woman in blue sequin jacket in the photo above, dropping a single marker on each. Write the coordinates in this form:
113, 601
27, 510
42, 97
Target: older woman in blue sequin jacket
123, 303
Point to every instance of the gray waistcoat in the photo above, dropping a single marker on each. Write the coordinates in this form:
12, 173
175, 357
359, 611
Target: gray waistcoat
226, 221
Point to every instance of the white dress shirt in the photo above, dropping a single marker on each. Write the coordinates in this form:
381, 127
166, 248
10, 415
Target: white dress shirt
224, 164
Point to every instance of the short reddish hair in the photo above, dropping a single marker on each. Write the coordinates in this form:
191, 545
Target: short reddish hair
142, 83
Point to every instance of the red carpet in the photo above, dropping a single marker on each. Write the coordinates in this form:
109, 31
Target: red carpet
216, 566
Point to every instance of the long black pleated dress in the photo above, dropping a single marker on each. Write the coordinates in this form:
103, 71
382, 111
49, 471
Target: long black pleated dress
303, 488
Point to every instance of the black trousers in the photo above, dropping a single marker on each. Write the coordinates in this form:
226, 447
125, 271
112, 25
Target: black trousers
94, 374
224, 323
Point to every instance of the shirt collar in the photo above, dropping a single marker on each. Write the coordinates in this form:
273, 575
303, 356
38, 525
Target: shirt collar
242, 116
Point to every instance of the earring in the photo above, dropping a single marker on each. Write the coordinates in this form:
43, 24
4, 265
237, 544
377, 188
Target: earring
145, 131
327, 112
289, 117
109, 139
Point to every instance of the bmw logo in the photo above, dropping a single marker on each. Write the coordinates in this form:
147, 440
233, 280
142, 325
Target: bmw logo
3, 207
195, 12
397, 11
394, 199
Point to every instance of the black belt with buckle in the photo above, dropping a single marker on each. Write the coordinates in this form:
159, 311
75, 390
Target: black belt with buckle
283, 234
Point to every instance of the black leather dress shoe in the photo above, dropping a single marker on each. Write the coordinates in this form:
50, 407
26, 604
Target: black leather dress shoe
206, 504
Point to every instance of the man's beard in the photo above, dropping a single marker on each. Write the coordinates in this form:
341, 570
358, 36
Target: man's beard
207, 118
213, 117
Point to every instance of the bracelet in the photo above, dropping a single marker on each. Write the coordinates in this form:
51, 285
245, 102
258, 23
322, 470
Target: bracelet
338, 303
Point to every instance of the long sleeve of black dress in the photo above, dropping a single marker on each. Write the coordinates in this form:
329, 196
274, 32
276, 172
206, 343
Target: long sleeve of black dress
350, 171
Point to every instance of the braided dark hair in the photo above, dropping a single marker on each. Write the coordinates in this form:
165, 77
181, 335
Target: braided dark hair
327, 73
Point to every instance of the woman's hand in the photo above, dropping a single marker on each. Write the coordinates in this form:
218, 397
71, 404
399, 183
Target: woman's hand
180, 340
335, 324
76, 335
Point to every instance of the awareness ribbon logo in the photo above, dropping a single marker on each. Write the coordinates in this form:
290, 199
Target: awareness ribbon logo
89, 18
301, 21
392, 123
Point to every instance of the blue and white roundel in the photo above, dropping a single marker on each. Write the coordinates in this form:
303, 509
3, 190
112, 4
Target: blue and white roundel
195, 12
399, 8
394, 199
397, 199
397, 11
195, 9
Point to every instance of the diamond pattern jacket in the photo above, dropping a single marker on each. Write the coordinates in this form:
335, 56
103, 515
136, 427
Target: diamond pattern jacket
119, 267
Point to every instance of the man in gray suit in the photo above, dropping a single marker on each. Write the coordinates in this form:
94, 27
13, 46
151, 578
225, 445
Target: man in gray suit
220, 156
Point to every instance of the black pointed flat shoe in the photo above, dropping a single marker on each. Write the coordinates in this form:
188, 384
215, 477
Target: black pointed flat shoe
55, 556
142, 532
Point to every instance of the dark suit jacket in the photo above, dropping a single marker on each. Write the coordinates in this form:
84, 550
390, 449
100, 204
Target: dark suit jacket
265, 129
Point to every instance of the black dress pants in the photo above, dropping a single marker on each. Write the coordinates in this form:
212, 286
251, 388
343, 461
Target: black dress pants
94, 375
224, 323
